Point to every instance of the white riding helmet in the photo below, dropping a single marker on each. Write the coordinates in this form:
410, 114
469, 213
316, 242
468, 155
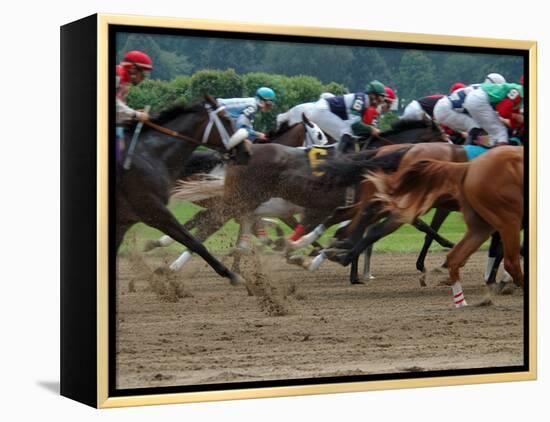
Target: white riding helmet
495, 78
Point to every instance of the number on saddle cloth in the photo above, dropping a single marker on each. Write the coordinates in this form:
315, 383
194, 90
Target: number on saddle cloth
317, 156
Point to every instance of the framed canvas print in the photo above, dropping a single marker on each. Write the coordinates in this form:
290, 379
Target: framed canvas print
259, 211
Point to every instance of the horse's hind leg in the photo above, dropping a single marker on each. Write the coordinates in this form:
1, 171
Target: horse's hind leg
354, 270
478, 231
437, 221
512, 248
366, 264
494, 258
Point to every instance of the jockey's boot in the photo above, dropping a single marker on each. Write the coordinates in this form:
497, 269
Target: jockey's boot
345, 144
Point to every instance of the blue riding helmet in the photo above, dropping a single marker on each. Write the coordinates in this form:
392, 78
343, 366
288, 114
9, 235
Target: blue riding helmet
266, 94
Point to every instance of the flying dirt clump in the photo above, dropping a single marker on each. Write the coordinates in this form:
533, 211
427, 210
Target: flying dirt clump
272, 299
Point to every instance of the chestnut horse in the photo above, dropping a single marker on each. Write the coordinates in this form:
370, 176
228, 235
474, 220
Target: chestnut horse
490, 194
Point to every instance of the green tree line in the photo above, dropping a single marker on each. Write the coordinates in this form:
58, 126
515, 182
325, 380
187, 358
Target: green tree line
291, 90
412, 73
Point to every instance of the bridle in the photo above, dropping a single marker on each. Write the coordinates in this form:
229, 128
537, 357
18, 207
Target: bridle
213, 120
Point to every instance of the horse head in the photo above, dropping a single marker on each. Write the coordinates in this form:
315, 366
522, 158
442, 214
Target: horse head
218, 132
314, 133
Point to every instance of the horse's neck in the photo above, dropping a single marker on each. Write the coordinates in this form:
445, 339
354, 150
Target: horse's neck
293, 137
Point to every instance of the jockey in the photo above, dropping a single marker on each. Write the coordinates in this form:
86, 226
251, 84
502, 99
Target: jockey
371, 114
423, 108
491, 106
390, 101
294, 115
243, 110
449, 110
132, 70
341, 116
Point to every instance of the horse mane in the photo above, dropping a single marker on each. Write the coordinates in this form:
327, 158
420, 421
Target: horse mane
172, 112
415, 190
285, 127
404, 125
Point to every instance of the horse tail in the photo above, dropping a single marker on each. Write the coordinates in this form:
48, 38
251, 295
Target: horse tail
349, 169
201, 186
415, 190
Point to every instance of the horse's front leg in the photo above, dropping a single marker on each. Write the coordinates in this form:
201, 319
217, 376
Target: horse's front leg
157, 215
208, 222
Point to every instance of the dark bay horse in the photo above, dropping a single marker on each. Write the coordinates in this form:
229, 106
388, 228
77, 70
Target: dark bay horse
142, 192
424, 183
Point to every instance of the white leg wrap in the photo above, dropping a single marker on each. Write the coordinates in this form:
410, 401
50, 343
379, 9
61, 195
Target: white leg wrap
309, 238
165, 241
458, 295
181, 261
244, 242
317, 261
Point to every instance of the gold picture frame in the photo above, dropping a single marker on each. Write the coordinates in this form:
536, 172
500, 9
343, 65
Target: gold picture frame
95, 391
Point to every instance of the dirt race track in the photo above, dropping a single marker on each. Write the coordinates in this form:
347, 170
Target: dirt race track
195, 328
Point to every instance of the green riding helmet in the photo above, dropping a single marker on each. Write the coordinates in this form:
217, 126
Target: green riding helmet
376, 87
266, 94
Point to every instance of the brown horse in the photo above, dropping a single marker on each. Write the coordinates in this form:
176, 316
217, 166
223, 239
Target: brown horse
486, 209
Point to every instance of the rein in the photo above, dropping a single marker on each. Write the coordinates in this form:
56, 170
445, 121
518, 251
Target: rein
213, 120
171, 132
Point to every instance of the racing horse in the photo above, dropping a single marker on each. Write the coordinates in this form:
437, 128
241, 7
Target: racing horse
424, 183
273, 171
143, 190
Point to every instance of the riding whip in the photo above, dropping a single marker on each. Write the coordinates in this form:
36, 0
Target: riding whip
128, 160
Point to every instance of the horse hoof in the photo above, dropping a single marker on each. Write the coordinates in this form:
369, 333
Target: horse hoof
357, 282
150, 245
295, 260
502, 288
235, 279
422, 280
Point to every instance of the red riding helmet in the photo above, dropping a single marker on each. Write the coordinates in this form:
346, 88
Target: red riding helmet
137, 58
456, 86
390, 93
